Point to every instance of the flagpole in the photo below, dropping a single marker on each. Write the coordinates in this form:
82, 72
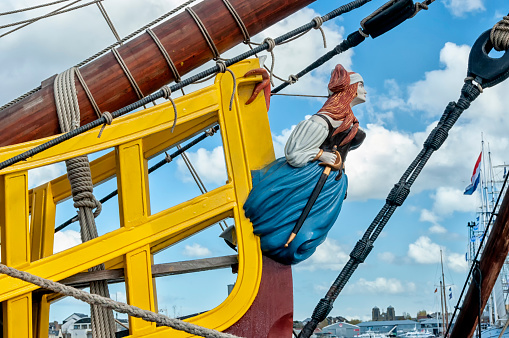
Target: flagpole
442, 301
443, 290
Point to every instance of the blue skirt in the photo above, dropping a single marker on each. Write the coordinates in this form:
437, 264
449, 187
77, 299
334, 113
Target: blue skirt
280, 193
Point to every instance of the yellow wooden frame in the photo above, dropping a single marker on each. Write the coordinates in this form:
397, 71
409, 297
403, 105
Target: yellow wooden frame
136, 138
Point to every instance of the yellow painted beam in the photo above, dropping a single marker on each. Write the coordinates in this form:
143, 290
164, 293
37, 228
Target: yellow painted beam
139, 287
17, 321
132, 184
42, 222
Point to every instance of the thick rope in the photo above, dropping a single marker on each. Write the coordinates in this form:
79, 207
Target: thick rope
166, 56
110, 304
499, 35
80, 178
167, 95
127, 73
205, 33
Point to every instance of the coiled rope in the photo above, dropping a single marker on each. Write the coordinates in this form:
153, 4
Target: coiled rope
80, 178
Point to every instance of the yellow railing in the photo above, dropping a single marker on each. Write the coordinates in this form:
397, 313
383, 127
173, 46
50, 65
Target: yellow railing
27, 242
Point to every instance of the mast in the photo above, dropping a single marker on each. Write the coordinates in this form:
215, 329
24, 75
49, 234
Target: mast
442, 303
35, 116
443, 290
491, 262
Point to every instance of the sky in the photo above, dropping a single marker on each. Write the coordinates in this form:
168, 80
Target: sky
410, 74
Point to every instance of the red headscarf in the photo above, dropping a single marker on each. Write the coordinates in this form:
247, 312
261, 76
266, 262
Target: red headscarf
337, 105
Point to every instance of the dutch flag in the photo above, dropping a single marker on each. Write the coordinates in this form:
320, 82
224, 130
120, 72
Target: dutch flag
476, 176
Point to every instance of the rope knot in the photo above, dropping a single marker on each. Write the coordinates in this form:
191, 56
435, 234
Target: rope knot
292, 79
271, 43
168, 158
499, 35
318, 22
166, 92
108, 119
78, 173
221, 65
210, 132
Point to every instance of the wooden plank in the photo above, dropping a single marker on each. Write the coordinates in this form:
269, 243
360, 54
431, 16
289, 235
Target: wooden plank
492, 260
35, 116
82, 279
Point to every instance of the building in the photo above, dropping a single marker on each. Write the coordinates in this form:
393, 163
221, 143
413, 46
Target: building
341, 330
402, 326
391, 313
375, 314
68, 323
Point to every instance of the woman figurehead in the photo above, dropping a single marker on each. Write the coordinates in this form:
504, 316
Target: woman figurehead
346, 89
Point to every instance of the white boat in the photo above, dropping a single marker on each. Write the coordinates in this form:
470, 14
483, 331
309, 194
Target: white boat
371, 334
418, 334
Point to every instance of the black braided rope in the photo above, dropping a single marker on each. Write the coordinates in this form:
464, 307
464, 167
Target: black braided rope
396, 197
159, 94
150, 170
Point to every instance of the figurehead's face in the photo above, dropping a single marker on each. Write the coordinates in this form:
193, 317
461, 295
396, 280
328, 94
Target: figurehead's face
361, 94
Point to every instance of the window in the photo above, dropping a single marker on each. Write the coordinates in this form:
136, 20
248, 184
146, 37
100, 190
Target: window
76, 327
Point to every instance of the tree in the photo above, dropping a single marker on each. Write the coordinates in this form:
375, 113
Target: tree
355, 321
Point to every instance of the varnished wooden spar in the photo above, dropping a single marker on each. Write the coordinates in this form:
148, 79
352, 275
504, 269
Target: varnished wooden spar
492, 260
35, 116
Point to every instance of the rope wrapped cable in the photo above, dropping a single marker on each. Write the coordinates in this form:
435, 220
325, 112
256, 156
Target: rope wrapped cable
396, 197
108, 303
166, 56
107, 49
499, 35
159, 94
127, 73
167, 159
80, 178
205, 33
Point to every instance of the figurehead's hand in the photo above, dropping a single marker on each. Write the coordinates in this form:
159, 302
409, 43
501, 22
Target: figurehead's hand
328, 158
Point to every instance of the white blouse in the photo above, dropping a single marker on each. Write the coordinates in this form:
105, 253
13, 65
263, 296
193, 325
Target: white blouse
305, 141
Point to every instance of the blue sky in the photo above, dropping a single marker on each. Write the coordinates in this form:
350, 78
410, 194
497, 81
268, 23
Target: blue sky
410, 74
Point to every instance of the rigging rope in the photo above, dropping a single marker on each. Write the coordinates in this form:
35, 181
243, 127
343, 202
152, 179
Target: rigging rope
113, 305
108, 21
58, 11
33, 7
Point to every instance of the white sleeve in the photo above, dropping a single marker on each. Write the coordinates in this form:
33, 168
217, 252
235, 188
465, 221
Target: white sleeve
304, 142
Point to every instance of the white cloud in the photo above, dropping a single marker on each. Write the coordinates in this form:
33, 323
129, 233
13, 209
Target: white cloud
196, 250
44, 174
424, 251
210, 166
449, 200
328, 256
457, 262
437, 229
382, 285
66, 239
387, 257
461, 7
